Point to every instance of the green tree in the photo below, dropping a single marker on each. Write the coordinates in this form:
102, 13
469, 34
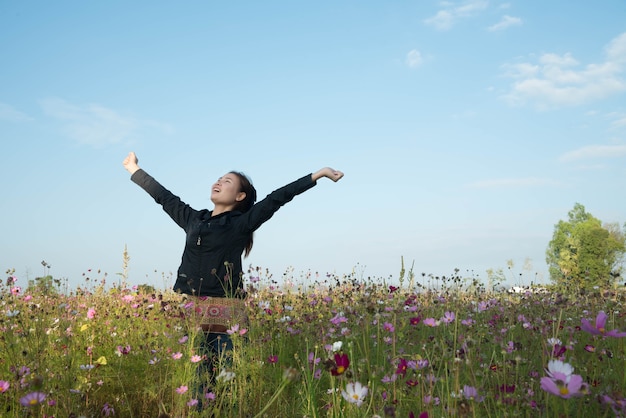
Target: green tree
583, 253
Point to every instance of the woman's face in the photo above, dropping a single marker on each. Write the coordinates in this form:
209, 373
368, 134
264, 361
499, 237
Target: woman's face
226, 190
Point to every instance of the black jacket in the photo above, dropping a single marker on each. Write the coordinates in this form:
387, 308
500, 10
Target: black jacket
211, 261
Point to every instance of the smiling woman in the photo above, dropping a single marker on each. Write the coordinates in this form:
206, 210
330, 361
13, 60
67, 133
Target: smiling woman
210, 273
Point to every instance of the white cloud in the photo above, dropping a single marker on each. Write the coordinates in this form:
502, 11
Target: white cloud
451, 13
513, 183
559, 80
594, 152
505, 23
414, 59
94, 124
619, 121
9, 113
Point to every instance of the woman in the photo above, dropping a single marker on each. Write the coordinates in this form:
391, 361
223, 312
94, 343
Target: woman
211, 269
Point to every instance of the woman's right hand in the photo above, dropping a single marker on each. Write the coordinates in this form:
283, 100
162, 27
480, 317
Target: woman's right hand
130, 163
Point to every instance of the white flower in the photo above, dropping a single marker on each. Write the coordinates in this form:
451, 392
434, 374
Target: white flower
225, 376
554, 341
558, 370
337, 346
355, 393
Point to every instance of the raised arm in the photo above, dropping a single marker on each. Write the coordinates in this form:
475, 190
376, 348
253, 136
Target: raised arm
178, 210
334, 175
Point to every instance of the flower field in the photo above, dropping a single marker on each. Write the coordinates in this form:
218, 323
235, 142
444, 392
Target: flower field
334, 347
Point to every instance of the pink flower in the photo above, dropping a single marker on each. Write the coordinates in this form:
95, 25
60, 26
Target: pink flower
177, 356
471, 393
235, 330
574, 386
123, 350
91, 313
448, 317
387, 326
4, 386
599, 328
562, 382
431, 322
195, 358
182, 389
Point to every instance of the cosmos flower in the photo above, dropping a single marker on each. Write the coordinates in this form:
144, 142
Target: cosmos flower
448, 317
573, 387
182, 389
4, 386
431, 322
561, 380
559, 370
403, 365
122, 350
471, 393
355, 393
599, 327
32, 399
235, 330
342, 362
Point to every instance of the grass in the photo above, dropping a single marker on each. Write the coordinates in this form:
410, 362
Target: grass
432, 346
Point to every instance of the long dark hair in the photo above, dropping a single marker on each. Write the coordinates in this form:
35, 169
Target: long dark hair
245, 186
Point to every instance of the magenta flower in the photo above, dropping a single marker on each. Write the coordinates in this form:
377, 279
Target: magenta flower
342, 362
4, 386
403, 365
599, 327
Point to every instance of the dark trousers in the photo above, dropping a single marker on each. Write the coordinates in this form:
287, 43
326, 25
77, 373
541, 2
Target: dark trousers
215, 349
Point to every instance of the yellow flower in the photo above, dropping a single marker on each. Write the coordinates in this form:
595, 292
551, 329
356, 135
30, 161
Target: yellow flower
84, 328
102, 361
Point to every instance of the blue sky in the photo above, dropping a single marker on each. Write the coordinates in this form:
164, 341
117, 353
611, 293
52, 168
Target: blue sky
466, 130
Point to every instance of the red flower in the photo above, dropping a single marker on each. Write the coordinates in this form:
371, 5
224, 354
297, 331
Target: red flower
342, 362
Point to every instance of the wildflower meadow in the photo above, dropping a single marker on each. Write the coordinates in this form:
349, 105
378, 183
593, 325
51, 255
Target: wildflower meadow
329, 346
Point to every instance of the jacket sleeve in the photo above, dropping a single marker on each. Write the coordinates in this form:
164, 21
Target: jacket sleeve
265, 209
179, 211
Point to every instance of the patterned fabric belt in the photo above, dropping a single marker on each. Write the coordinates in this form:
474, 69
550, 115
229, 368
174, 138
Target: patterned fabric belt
219, 314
